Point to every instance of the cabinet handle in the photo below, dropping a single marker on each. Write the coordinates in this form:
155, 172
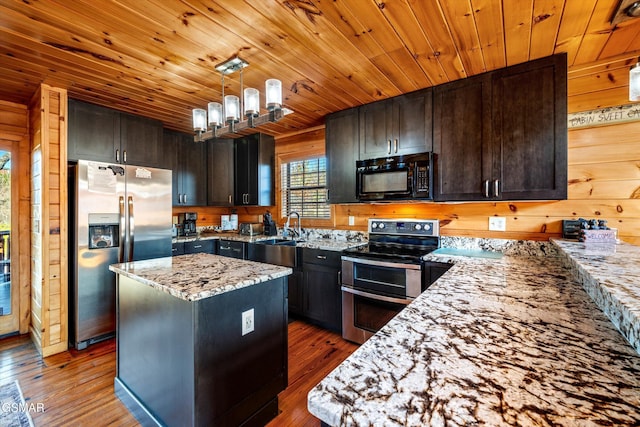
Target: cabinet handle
496, 188
230, 199
185, 198
197, 246
124, 156
395, 145
486, 188
340, 277
117, 155
388, 146
321, 256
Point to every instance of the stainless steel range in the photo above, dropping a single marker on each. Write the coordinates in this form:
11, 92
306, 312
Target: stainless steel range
380, 279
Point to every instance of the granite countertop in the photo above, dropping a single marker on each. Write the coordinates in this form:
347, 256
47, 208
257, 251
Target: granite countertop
610, 273
198, 276
313, 243
495, 341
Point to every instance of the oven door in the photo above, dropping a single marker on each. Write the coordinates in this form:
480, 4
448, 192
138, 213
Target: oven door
373, 292
364, 314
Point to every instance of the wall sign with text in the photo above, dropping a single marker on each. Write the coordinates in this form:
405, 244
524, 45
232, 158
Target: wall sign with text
604, 116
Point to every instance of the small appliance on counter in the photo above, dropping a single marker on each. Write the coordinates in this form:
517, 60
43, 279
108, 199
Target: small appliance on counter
187, 223
251, 228
269, 225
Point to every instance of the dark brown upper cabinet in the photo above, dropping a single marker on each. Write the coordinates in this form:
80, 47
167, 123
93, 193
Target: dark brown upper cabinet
503, 135
254, 179
461, 138
220, 172
395, 126
105, 135
189, 166
341, 144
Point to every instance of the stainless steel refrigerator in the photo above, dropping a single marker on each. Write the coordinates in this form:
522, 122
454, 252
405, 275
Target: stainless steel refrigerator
121, 213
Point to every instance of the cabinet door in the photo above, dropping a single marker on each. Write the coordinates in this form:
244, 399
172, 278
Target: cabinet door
94, 132
254, 170
246, 171
220, 173
192, 178
412, 123
375, 130
141, 141
321, 289
461, 136
171, 140
341, 145
530, 130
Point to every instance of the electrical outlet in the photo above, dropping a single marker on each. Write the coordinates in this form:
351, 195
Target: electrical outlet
497, 223
352, 220
247, 322
260, 218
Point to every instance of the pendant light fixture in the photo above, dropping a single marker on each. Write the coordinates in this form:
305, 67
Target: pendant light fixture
634, 82
225, 118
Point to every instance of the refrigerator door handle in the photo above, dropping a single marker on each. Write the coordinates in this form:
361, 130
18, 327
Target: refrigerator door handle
122, 231
131, 229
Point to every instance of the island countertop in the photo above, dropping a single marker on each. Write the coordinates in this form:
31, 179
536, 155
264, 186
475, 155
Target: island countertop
197, 276
507, 341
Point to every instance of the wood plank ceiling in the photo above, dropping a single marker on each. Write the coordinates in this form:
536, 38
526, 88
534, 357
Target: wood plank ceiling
157, 57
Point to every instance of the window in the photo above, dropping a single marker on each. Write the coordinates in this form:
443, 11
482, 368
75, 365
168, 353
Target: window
304, 188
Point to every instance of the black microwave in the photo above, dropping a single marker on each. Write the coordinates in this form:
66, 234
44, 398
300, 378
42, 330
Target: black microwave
395, 177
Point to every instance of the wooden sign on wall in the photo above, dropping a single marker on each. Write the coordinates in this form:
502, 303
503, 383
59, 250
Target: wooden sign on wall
604, 116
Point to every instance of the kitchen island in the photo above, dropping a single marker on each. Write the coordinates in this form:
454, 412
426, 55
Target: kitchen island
500, 341
201, 340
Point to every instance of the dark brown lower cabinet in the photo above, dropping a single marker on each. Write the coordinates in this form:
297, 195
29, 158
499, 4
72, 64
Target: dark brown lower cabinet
320, 293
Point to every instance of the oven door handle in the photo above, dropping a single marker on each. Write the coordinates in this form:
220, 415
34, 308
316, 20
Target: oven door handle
398, 265
376, 297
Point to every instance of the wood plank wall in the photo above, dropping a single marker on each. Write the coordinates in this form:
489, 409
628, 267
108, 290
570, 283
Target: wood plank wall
49, 285
604, 183
603, 171
14, 134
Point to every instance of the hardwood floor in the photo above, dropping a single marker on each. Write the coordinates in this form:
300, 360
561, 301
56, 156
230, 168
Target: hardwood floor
76, 387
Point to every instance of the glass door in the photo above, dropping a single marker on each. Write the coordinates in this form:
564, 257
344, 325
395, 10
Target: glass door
8, 295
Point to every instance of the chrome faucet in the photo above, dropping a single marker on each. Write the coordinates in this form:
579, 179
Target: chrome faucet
297, 231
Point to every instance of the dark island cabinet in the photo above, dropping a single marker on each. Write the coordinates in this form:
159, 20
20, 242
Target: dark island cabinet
321, 295
503, 135
105, 135
254, 159
295, 287
341, 145
220, 172
396, 126
189, 166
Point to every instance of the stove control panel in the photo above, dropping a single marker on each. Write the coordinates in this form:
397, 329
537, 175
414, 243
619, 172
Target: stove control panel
412, 226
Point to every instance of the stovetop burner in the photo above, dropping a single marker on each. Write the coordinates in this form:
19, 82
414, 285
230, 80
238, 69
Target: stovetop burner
404, 240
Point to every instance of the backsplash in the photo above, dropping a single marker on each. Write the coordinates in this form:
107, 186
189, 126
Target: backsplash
340, 235
507, 247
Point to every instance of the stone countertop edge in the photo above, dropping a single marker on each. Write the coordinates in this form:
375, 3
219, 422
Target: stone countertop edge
197, 276
495, 342
610, 274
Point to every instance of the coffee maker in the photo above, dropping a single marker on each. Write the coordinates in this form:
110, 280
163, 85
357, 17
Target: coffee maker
269, 225
187, 223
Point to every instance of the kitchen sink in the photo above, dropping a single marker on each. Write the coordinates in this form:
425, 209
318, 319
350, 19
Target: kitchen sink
285, 242
275, 251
